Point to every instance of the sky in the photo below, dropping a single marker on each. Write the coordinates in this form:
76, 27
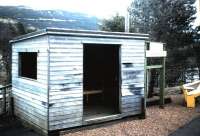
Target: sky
99, 8
197, 22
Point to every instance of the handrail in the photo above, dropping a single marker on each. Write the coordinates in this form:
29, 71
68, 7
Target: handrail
6, 86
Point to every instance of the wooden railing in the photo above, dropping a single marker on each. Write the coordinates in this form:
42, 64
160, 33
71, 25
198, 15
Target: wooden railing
5, 95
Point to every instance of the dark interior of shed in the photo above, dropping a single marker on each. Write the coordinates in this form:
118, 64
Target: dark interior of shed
28, 65
101, 80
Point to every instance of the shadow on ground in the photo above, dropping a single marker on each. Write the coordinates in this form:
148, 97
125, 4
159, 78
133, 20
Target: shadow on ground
190, 129
9, 126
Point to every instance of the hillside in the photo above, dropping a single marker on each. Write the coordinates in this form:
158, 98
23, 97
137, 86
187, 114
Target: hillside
49, 18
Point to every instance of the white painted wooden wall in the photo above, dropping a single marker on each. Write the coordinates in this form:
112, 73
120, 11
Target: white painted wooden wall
31, 96
64, 93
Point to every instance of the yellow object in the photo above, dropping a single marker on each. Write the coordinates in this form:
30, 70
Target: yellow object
191, 91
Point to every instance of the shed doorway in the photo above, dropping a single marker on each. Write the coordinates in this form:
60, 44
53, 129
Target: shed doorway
101, 81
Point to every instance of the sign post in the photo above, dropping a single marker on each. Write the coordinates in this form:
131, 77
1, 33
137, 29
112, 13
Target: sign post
156, 50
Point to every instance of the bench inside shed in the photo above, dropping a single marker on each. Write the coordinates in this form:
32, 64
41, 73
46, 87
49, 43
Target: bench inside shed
101, 68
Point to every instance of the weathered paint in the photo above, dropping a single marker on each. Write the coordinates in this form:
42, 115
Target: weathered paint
30, 96
55, 99
66, 76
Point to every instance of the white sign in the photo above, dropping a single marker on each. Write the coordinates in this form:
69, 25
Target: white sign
156, 50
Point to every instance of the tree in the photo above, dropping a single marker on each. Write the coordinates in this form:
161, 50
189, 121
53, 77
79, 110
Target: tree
9, 29
161, 18
168, 21
196, 49
140, 16
115, 24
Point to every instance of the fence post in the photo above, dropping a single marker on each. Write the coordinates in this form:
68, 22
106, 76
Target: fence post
162, 84
4, 99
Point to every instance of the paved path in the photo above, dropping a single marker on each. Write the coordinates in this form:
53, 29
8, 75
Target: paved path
190, 129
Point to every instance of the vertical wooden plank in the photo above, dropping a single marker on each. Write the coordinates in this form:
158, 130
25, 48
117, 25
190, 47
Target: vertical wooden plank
11, 104
143, 100
162, 83
120, 81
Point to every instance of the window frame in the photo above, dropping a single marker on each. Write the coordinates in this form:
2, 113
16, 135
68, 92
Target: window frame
19, 66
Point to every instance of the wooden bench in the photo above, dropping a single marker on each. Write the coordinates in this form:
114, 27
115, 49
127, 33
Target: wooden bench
91, 92
191, 91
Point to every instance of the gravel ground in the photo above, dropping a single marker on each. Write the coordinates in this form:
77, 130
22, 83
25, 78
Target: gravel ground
159, 122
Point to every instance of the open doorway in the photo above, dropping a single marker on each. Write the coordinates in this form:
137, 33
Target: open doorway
101, 81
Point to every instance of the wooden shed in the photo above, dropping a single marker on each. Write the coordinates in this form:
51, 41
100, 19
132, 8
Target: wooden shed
67, 78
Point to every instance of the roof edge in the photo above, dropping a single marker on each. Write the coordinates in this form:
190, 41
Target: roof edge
63, 30
82, 33
28, 36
